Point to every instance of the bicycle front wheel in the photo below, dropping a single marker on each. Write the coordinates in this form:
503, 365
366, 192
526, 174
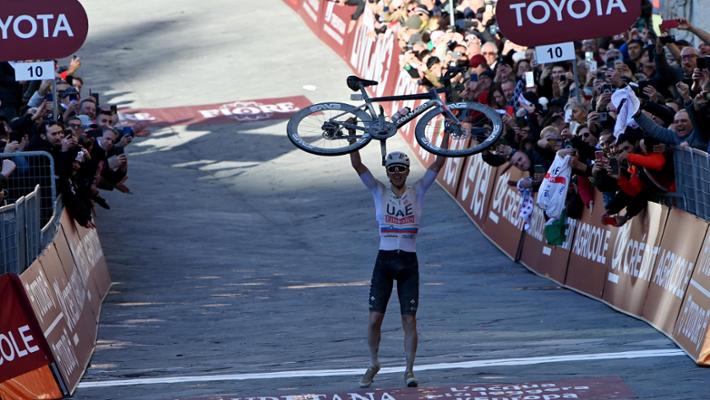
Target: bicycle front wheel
474, 128
329, 129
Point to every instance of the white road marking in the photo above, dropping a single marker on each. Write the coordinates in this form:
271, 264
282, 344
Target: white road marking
387, 370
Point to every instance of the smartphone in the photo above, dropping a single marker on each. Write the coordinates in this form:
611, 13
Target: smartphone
49, 97
96, 97
603, 116
539, 169
529, 79
614, 165
599, 155
702, 63
114, 109
669, 23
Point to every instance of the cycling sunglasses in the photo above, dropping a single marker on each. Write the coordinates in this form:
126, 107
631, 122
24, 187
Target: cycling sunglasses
396, 168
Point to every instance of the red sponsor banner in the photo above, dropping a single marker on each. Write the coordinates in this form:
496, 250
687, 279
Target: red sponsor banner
336, 21
295, 4
682, 240
691, 327
218, 113
41, 29
476, 187
633, 255
310, 12
545, 259
88, 256
374, 57
536, 22
450, 175
590, 252
22, 346
38, 384
502, 223
581, 389
65, 287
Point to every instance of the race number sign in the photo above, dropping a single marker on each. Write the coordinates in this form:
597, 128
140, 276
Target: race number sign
554, 53
33, 71
41, 29
537, 22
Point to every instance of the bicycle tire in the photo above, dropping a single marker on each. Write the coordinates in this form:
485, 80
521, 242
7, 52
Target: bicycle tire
307, 129
483, 121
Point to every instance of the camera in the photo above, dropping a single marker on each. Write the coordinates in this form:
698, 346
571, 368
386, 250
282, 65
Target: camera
607, 88
702, 62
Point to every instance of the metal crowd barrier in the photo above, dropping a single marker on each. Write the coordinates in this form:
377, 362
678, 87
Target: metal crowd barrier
20, 233
692, 178
33, 168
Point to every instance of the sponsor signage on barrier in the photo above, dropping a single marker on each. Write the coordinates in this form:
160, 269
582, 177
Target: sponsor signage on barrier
374, 57
22, 347
41, 29
335, 25
678, 252
220, 113
476, 187
450, 174
502, 223
538, 22
310, 12
589, 257
633, 255
65, 287
545, 259
691, 328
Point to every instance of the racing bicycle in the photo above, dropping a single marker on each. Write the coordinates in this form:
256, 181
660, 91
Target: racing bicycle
335, 128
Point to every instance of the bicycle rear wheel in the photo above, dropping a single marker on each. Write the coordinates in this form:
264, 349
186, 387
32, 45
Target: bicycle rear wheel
476, 128
329, 129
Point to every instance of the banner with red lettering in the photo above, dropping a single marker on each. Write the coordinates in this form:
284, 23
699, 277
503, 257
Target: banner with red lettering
589, 257
502, 224
22, 346
633, 254
310, 12
691, 326
231, 112
541, 257
476, 188
681, 243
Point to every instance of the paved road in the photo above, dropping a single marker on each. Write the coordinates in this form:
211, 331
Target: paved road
240, 255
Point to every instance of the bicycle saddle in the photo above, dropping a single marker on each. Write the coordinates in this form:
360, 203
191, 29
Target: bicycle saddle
355, 83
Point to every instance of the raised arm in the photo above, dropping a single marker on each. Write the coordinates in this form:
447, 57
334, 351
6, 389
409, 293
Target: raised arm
356, 162
440, 160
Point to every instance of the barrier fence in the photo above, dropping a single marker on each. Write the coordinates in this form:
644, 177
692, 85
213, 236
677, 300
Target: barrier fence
655, 268
33, 168
692, 171
20, 234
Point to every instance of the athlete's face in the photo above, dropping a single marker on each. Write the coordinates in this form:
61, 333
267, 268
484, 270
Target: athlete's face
397, 175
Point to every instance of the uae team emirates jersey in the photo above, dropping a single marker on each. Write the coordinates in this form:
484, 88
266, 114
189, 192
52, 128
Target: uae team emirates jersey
398, 217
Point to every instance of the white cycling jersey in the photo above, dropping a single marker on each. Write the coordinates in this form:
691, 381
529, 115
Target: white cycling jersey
398, 217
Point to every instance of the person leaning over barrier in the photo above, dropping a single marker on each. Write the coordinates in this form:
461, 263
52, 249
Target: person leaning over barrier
398, 212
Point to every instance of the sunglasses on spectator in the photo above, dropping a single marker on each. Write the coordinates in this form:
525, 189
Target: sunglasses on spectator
396, 168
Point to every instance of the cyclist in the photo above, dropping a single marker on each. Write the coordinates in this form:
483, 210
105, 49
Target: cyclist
398, 212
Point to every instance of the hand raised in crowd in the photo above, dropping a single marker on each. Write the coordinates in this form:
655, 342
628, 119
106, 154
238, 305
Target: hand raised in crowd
508, 121
125, 140
651, 93
684, 24
8, 167
68, 143
683, 91
603, 101
45, 87
74, 65
700, 100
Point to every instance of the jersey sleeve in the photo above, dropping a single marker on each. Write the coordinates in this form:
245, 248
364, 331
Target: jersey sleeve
372, 184
425, 183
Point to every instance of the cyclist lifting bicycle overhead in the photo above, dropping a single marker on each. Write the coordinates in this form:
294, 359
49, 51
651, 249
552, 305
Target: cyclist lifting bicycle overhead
398, 212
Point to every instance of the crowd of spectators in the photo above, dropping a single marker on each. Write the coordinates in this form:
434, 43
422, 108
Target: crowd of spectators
663, 84
84, 138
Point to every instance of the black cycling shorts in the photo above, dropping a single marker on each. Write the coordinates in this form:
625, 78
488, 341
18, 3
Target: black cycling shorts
400, 266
